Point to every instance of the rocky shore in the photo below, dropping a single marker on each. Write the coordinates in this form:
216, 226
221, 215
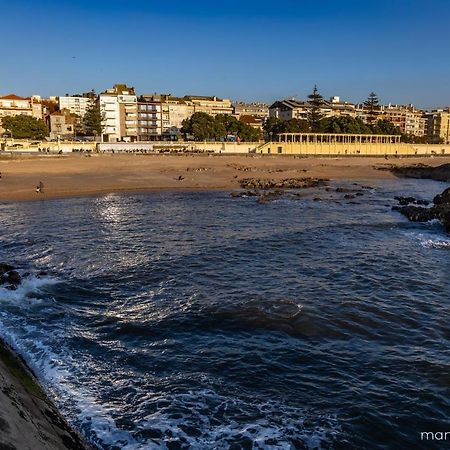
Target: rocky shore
28, 419
422, 171
439, 210
417, 210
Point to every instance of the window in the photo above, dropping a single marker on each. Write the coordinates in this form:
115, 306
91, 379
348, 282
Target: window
280, 149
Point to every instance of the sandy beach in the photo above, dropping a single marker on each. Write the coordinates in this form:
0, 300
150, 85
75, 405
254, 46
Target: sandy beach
81, 175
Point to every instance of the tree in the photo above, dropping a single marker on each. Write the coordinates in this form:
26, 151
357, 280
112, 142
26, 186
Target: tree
315, 114
385, 127
295, 126
200, 126
25, 127
273, 126
372, 107
344, 125
93, 119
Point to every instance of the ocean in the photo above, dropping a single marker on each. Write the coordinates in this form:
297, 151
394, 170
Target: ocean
196, 320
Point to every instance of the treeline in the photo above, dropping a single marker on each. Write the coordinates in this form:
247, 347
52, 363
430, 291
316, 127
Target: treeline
24, 127
316, 122
201, 126
339, 124
342, 125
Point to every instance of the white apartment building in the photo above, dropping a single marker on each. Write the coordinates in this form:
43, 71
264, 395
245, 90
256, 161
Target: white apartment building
119, 109
75, 105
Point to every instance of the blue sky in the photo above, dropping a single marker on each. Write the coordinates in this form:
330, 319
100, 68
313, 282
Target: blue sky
238, 49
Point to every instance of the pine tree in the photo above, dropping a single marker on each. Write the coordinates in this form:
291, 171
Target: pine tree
372, 106
315, 114
93, 119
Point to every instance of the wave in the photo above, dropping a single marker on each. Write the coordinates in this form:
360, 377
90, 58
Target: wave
29, 289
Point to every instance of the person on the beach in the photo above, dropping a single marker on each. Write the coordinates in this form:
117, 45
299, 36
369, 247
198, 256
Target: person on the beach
40, 188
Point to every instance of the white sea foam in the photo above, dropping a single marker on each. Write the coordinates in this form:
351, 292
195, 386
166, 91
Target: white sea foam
30, 285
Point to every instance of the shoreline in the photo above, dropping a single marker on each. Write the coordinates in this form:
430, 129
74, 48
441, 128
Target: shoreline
29, 419
76, 175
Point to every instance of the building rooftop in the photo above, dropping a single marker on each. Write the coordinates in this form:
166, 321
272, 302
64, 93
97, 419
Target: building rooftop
13, 97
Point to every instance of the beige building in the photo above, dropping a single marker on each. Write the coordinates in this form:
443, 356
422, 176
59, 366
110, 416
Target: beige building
63, 125
408, 119
13, 105
438, 125
149, 117
336, 107
119, 109
210, 105
260, 110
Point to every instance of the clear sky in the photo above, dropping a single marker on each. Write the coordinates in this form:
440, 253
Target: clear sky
239, 49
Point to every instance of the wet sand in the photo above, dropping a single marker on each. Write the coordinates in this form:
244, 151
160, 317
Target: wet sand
82, 175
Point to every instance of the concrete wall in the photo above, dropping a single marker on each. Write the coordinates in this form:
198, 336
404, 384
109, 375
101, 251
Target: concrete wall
355, 149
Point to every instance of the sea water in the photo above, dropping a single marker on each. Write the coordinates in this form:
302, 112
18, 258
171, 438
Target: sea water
194, 320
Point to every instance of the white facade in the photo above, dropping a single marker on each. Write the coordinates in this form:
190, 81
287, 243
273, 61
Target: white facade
109, 109
75, 105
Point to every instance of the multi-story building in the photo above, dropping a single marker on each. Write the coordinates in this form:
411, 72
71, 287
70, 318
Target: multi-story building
162, 115
119, 110
74, 104
260, 110
13, 105
438, 125
335, 107
295, 109
149, 117
408, 119
63, 125
210, 105
289, 109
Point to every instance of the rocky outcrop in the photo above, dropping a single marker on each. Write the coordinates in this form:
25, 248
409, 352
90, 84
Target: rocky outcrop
9, 277
439, 210
439, 173
286, 183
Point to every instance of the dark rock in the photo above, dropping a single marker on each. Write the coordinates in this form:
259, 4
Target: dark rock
236, 194
439, 173
348, 196
5, 268
405, 200
416, 213
287, 183
359, 194
317, 199
443, 198
9, 276
14, 278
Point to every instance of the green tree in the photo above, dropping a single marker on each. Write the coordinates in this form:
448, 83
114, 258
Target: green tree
344, 125
315, 114
385, 127
25, 127
273, 126
295, 126
372, 106
200, 126
247, 133
93, 119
